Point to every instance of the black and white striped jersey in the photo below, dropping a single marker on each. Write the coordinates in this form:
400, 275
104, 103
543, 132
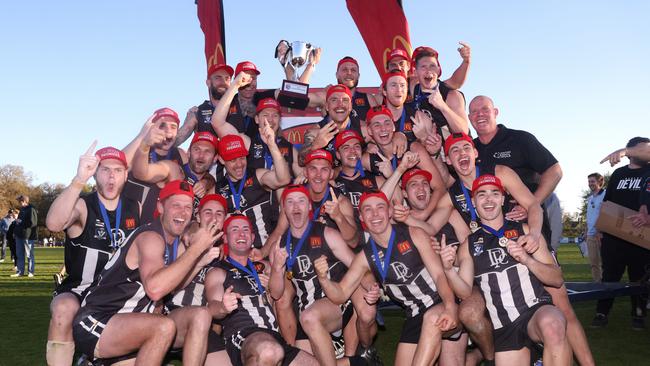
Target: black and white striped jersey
408, 282
119, 289
253, 311
86, 254
304, 277
508, 287
258, 204
190, 295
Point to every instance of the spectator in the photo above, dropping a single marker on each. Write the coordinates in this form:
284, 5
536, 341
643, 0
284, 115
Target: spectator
11, 239
595, 199
4, 227
624, 188
26, 235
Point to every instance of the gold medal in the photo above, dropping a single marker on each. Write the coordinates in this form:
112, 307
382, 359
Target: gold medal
289, 275
473, 225
503, 241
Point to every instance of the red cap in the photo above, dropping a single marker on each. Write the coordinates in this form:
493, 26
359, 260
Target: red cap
339, 88
346, 59
234, 217
217, 67
176, 187
454, 138
374, 193
268, 103
214, 197
346, 136
294, 188
389, 75
379, 110
246, 66
110, 152
406, 177
165, 112
398, 52
318, 154
207, 137
232, 147
486, 180
426, 49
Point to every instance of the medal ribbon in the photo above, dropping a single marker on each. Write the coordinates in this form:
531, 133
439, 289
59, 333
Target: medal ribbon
153, 156
237, 194
383, 267
497, 233
291, 259
171, 260
468, 199
359, 168
402, 120
317, 211
250, 271
107, 221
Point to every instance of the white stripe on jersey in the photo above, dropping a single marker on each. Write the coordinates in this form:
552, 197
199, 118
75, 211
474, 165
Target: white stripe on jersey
130, 305
526, 285
89, 268
506, 294
253, 311
489, 303
197, 294
259, 220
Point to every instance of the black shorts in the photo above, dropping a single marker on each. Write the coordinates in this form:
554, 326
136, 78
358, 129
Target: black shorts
66, 287
514, 336
87, 327
216, 342
233, 346
346, 314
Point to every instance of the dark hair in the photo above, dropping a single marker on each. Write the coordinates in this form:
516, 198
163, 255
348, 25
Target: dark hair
637, 140
423, 54
599, 177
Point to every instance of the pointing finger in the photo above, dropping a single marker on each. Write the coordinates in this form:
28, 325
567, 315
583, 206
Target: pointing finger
464, 44
334, 198
91, 149
382, 157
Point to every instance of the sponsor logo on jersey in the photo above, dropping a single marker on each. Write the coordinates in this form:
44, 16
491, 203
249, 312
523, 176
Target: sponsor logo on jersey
502, 154
360, 102
511, 234
284, 150
233, 109
315, 242
404, 247
259, 267
249, 182
129, 223
408, 126
367, 183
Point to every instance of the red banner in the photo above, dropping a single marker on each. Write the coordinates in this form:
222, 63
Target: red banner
383, 26
210, 13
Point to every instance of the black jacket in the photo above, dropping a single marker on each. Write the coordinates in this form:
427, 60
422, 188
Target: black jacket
26, 223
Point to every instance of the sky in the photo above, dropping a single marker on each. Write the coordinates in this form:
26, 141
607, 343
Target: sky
573, 73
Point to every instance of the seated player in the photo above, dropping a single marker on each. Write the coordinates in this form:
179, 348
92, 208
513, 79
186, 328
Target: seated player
238, 298
141, 273
511, 281
401, 259
95, 224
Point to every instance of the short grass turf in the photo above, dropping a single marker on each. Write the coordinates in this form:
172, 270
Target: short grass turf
24, 316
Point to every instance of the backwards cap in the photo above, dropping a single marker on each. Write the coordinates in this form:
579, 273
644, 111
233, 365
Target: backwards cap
234, 217
486, 180
390, 74
110, 152
421, 49
456, 137
176, 187
294, 188
373, 193
398, 52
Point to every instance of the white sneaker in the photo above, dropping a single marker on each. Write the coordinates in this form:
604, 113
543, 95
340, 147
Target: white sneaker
2, 260
16, 275
30, 275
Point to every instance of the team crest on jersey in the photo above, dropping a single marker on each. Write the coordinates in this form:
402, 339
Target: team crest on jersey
315, 242
102, 234
460, 198
252, 283
402, 272
354, 198
498, 257
235, 273
360, 102
478, 246
404, 247
257, 151
259, 267
129, 223
511, 234
304, 265
367, 183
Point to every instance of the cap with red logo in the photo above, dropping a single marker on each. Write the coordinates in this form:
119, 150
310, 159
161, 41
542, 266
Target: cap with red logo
110, 152
217, 67
346, 59
176, 187
378, 111
165, 112
398, 52
454, 138
232, 147
214, 197
389, 75
486, 180
294, 188
406, 177
339, 88
318, 154
246, 66
207, 137
234, 217
374, 193
420, 49
268, 103
346, 136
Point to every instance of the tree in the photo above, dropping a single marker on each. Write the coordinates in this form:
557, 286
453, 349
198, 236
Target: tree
14, 181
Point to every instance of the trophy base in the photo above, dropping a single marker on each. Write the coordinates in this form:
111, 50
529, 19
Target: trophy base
294, 94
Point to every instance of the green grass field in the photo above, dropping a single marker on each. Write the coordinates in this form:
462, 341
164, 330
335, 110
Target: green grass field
24, 316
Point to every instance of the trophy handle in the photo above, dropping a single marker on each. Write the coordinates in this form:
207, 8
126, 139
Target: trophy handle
284, 59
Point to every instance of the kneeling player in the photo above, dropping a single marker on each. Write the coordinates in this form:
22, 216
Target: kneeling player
402, 260
511, 280
237, 296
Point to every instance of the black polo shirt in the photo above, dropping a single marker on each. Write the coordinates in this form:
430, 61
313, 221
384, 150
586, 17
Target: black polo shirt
518, 150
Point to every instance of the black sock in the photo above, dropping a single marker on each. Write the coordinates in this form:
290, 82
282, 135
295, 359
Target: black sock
357, 361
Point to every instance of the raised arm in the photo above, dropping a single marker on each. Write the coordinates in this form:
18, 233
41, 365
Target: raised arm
144, 170
548, 181
132, 147
220, 114
409, 160
280, 175
459, 76
189, 126
340, 292
453, 109
522, 195
432, 261
221, 302
338, 246
314, 59
460, 281
341, 211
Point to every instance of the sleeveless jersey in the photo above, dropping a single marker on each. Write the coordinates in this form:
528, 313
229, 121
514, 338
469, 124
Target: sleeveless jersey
260, 157
308, 289
86, 254
235, 117
508, 287
190, 295
119, 289
323, 217
375, 160
257, 203
420, 102
353, 188
146, 194
253, 310
354, 123
360, 105
404, 124
408, 282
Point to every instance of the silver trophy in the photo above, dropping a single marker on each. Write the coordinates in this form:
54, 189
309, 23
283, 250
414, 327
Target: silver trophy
293, 56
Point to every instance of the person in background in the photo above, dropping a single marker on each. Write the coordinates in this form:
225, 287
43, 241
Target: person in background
4, 227
26, 235
592, 236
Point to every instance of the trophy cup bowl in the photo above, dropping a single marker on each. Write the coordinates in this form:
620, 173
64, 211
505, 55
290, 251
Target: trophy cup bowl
293, 93
299, 52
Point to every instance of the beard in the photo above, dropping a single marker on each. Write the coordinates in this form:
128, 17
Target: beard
215, 93
354, 84
247, 107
